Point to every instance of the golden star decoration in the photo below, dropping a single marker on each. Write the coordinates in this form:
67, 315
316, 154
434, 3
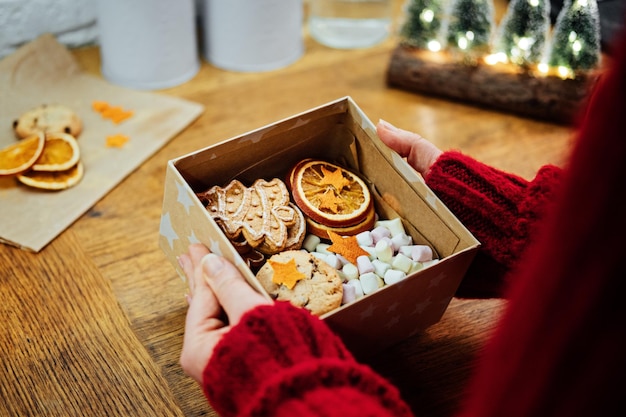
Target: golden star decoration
286, 274
334, 178
346, 246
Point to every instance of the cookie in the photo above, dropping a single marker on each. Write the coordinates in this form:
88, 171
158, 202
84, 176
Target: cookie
302, 279
262, 213
48, 118
295, 234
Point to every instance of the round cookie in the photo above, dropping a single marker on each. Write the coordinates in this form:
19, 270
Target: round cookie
320, 289
48, 118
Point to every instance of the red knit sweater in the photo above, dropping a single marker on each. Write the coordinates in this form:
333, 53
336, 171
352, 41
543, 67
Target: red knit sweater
560, 348
499, 208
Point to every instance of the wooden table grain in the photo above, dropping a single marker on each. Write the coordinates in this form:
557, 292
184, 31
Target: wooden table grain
93, 324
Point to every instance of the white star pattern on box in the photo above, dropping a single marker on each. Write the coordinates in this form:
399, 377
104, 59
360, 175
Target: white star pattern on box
444, 303
368, 312
392, 307
215, 247
420, 307
193, 238
393, 321
183, 197
437, 280
167, 231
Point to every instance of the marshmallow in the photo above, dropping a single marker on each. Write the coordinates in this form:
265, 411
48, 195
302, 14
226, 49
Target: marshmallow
402, 263
365, 238
333, 261
319, 255
358, 289
400, 240
415, 266
350, 271
349, 294
394, 226
406, 250
393, 275
370, 282
380, 267
421, 253
379, 233
430, 263
384, 251
323, 248
364, 265
370, 250
310, 242
341, 258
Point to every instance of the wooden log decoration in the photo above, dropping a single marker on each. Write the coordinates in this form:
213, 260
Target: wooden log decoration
500, 86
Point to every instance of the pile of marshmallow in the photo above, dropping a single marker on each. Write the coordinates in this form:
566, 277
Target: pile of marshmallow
392, 257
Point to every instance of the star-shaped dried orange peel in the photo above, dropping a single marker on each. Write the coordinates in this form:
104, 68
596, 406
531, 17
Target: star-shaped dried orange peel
346, 246
114, 113
334, 178
329, 201
116, 141
286, 273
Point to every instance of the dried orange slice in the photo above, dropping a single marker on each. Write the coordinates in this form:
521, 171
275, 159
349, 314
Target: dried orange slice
330, 194
53, 180
322, 231
21, 156
60, 153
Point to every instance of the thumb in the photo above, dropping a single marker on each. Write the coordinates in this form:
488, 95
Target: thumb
419, 152
230, 288
397, 139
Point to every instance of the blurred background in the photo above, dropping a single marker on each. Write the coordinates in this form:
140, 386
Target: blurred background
73, 22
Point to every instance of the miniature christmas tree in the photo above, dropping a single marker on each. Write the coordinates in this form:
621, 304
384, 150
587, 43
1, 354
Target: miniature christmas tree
424, 23
523, 32
470, 28
576, 38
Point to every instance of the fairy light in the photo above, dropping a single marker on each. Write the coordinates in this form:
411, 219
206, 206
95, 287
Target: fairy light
525, 43
433, 45
427, 15
493, 59
464, 41
564, 72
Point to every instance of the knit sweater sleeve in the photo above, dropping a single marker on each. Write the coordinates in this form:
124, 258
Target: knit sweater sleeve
280, 360
499, 208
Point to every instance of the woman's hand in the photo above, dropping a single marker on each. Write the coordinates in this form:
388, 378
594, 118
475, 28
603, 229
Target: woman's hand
419, 152
215, 287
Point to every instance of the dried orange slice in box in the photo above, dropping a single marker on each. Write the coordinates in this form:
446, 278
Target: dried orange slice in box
22, 155
330, 194
60, 153
53, 180
322, 231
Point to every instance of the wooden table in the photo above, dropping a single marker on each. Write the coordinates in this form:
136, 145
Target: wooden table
93, 324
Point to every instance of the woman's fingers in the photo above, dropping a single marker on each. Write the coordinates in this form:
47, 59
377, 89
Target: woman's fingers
419, 152
395, 138
230, 287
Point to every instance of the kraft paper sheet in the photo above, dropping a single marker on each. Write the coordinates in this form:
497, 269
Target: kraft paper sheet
45, 72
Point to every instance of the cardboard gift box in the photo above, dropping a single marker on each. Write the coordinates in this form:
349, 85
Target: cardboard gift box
339, 132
